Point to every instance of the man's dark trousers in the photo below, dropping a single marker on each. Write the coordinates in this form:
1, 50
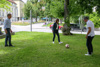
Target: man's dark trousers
89, 44
54, 35
8, 37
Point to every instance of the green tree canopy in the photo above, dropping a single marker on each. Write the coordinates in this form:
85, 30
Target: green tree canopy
36, 8
4, 4
95, 18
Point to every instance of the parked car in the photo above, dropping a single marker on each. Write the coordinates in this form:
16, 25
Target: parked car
72, 26
60, 27
76, 27
1, 23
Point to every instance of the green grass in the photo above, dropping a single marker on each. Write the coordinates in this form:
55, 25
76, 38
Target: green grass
36, 50
21, 23
26, 23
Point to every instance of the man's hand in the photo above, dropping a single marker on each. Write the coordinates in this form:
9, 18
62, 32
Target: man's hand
11, 31
86, 36
5, 31
88, 32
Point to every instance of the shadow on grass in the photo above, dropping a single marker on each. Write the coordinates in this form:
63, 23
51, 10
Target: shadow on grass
19, 44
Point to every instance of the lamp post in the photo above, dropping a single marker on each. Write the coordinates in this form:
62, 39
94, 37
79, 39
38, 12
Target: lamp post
31, 20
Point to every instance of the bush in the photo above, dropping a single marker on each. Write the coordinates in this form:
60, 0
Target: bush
94, 17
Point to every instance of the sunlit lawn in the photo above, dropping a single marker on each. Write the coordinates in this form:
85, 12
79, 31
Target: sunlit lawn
21, 23
26, 23
36, 50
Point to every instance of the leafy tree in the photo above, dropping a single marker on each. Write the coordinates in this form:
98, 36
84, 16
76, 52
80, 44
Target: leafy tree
74, 19
5, 4
47, 9
33, 5
95, 17
57, 9
68, 8
64, 9
27, 8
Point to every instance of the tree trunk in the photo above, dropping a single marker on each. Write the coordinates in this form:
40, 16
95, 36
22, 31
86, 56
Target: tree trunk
36, 18
51, 19
66, 27
61, 21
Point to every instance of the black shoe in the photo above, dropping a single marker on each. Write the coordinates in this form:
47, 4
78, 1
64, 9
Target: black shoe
6, 45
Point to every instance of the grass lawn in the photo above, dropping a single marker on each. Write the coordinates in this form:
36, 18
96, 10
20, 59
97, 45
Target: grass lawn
21, 23
26, 23
36, 50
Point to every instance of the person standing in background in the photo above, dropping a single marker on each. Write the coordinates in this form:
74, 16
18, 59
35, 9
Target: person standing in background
8, 31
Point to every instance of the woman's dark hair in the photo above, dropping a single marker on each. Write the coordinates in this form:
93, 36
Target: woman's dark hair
57, 20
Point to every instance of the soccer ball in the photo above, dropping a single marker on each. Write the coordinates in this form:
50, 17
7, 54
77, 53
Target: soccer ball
67, 45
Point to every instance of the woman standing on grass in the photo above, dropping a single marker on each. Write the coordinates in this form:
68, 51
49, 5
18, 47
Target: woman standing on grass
55, 31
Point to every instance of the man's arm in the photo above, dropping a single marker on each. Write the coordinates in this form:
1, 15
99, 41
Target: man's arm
88, 32
5, 31
5, 23
10, 30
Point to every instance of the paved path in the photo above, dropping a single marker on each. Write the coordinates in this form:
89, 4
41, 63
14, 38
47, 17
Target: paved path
39, 28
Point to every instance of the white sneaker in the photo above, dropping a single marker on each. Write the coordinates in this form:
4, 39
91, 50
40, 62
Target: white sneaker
87, 54
53, 42
60, 42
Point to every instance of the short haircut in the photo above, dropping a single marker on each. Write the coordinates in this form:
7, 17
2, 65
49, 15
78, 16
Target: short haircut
8, 14
86, 18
